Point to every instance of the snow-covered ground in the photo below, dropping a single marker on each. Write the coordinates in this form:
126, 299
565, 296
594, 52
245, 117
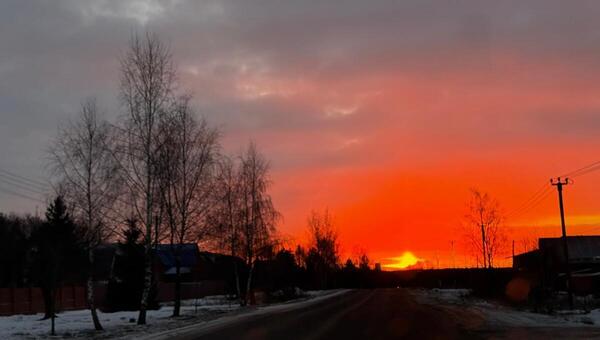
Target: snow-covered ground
496, 315
77, 324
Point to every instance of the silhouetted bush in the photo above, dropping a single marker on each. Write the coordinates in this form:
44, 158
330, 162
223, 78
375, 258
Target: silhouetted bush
124, 291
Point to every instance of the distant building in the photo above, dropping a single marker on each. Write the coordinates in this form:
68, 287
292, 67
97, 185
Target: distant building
195, 265
202, 273
549, 264
165, 262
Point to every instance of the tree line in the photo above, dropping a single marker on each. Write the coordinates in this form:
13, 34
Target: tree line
160, 168
54, 251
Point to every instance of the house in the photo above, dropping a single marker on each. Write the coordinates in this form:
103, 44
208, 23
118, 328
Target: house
165, 260
196, 265
549, 265
202, 273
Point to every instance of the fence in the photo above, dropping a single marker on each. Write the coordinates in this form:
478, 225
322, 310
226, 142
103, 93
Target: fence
190, 290
30, 300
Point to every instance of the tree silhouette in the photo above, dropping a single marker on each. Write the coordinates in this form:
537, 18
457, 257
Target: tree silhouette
483, 227
58, 250
323, 254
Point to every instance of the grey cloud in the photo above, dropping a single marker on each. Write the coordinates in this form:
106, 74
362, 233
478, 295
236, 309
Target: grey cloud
53, 54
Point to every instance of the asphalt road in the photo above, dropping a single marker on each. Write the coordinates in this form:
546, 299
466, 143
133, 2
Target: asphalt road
359, 314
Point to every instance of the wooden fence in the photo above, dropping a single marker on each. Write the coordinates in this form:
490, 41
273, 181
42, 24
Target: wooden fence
190, 290
30, 300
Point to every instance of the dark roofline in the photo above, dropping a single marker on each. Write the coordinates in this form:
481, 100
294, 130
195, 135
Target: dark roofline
531, 252
569, 237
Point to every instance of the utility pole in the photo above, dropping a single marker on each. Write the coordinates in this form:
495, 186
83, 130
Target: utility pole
483, 243
558, 183
453, 261
513, 253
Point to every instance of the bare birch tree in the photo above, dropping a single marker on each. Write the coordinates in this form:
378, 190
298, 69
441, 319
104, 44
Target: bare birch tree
323, 250
82, 161
484, 231
323, 237
187, 164
258, 215
225, 214
147, 86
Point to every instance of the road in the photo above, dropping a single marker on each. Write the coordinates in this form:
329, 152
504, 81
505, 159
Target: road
359, 314
368, 314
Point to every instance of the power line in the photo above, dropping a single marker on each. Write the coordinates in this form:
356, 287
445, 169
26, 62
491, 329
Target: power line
10, 192
533, 205
592, 169
538, 197
18, 183
11, 182
23, 180
533, 197
583, 170
535, 200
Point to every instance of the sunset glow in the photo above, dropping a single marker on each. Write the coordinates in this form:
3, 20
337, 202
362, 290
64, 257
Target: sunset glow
413, 169
386, 113
407, 259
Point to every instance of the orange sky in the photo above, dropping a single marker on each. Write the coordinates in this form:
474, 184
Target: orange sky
385, 112
406, 181
505, 129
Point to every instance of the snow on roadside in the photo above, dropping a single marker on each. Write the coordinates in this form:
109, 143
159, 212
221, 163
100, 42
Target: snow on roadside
497, 315
77, 324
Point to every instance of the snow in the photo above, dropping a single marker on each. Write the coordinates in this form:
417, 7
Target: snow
78, 323
209, 311
452, 295
500, 316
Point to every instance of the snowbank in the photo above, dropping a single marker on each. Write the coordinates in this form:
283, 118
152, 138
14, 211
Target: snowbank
78, 323
500, 316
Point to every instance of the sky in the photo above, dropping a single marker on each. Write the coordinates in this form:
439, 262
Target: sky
385, 112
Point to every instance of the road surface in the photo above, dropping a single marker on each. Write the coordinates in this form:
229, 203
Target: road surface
369, 314
359, 314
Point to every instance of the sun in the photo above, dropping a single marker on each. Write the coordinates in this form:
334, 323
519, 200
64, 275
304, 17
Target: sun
406, 260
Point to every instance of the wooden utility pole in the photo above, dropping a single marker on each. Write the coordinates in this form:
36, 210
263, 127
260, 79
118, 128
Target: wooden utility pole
483, 244
513, 253
558, 183
453, 260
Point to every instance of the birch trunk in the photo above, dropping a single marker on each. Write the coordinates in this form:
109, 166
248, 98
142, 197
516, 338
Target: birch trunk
177, 307
249, 284
90, 292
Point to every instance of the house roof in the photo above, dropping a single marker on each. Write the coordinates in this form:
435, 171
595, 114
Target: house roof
531, 253
581, 248
188, 254
206, 265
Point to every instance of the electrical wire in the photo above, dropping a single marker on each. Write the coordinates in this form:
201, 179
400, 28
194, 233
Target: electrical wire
10, 192
538, 197
23, 180
583, 170
14, 184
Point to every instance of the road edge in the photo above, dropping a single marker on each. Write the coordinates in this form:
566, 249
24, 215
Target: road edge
224, 320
